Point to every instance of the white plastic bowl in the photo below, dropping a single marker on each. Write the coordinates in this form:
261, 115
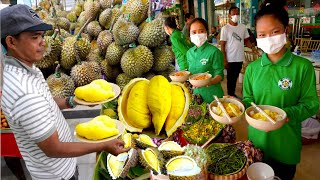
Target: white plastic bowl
200, 83
175, 78
265, 125
260, 171
223, 119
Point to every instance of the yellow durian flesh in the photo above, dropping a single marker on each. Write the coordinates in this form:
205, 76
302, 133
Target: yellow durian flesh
182, 166
151, 159
106, 120
259, 116
138, 112
146, 140
93, 93
232, 109
159, 101
127, 138
170, 146
95, 130
115, 165
103, 84
177, 107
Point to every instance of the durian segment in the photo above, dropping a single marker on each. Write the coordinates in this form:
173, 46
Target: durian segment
94, 92
106, 120
274, 115
128, 140
144, 141
182, 167
118, 166
149, 159
170, 149
95, 130
232, 109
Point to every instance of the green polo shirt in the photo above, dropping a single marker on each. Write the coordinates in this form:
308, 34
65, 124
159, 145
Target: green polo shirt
206, 58
289, 84
180, 46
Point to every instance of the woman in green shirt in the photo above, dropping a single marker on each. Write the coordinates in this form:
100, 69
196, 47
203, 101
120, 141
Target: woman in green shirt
204, 57
180, 44
282, 79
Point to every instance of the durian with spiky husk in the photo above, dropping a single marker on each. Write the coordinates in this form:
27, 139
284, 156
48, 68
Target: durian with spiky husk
96, 68
82, 19
116, 13
82, 47
43, 14
125, 32
60, 84
94, 44
114, 53
144, 141
50, 21
149, 158
111, 72
72, 16
105, 18
183, 168
64, 34
163, 57
170, 149
104, 40
122, 80
136, 61
94, 28
83, 74
128, 140
92, 9
138, 10
68, 53
119, 166
52, 51
104, 4
63, 23
95, 56
78, 8
152, 34
61, 13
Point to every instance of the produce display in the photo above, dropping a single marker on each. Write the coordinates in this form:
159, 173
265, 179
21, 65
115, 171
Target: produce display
4, 124
100, 127
97, 90
258, 116
232, 109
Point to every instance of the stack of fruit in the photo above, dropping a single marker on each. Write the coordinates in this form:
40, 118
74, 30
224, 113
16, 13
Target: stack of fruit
4, 124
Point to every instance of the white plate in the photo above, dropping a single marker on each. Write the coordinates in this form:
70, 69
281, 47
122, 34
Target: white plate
120, 127
116, 89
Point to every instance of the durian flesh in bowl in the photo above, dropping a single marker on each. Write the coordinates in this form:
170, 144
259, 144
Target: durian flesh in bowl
180, 76
200, 80
182, 167
265, 125
234, 108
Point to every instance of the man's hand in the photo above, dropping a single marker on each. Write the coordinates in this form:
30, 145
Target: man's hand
115, 147
226, 64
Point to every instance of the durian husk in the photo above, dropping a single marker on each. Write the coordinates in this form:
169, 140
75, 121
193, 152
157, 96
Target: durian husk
143, 145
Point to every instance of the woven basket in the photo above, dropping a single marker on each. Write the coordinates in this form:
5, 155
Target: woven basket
231, 176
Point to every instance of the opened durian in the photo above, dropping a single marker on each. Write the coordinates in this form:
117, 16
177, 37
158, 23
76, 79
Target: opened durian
128, 140
170, 149
144, 141
183, 167
149, 158
119, 166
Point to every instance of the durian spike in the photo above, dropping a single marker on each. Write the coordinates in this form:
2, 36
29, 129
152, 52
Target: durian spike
56, 71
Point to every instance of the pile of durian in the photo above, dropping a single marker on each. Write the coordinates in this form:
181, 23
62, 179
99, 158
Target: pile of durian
119, 42
169, 159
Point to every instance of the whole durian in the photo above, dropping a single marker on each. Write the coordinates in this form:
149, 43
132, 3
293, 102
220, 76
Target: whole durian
136, 61
163, 57
63, 23
105, 18
61, 13
138, 10
92, 9
114, 53
60, 84
125, 32
94, 28
104, 40
111, 72
72, 16
104, 4
152, 34
83, 74
95, 56
122, 80
82, 19
116, 13
78, 8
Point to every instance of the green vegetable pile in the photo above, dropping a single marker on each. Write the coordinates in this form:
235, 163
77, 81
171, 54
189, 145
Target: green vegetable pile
225, 159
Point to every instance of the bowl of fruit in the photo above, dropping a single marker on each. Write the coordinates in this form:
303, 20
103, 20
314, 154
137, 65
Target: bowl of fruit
200, 79
233, 107
259, 121
179, 76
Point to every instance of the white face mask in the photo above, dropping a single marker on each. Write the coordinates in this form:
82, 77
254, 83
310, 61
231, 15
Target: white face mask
198, 39
273, 44
235, 18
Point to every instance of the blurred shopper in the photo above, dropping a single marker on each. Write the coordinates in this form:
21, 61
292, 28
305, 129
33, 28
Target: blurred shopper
186, 28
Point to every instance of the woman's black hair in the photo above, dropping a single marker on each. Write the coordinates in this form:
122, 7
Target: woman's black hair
202, 21
274, 8
232, 8
170, 22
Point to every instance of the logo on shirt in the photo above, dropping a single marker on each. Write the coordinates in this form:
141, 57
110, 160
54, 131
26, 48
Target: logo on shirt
236, 36
285, 83
204, 61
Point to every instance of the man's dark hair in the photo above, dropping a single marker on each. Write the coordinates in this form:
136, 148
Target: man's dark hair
170, 22
273, 9
202, 21
187, 15
232, 8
